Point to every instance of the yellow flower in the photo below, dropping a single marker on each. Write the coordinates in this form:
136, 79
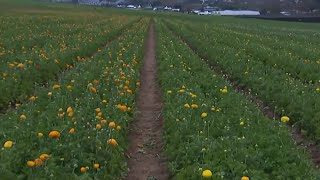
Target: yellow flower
285, 119
224, 91
206, 174
40, 134
96, 166
241, 123
194, 106
104, 101
69, 87
32, 98
318, 89
23, 117
187, 105
49, 93
181, 91
204, 115
8, 144
169, 92
118, 128
245, 178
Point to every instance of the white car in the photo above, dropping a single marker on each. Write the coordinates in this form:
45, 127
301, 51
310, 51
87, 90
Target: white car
204, 13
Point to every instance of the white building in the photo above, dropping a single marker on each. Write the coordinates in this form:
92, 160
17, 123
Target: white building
236, 13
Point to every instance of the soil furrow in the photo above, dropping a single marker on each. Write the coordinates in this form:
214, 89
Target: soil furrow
145, 160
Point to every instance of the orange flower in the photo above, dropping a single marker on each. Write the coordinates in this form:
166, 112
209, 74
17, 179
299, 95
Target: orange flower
44, 157
95, 81
20, 65
71, 131
61, 115
70, 114
98, 126
69, 110
122, 107
54, 134
31, 163
83, 169
104, 122
56, 86
112, 142
112, 124
92, 89
38, 162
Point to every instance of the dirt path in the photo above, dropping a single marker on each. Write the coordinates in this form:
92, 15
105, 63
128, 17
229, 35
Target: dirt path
145, 149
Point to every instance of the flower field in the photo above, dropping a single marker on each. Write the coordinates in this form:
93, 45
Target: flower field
42, 42
210, 126
76, 124
71, 76
285, 75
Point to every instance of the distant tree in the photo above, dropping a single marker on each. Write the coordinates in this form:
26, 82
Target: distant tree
273, 6
156, 3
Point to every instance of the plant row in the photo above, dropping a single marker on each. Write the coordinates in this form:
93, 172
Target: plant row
76, 128
286, 54
57, 46
214, 132
286, 95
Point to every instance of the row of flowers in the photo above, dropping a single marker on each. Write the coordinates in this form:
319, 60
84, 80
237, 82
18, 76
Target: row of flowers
278, 88
45, 46
213, 132
77, 125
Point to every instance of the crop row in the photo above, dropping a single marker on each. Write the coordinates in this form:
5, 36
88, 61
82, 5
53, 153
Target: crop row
77, 126
208, 126
284, 93
281, 53
48, 47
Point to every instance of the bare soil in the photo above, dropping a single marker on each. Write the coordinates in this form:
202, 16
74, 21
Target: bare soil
145, 160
